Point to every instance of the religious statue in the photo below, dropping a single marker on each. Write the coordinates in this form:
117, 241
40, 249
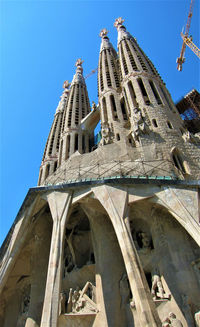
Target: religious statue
94, 106
157, 288
106, 134
174, 321
139, 125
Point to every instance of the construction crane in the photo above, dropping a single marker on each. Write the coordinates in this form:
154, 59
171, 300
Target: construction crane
91, 73
187, 40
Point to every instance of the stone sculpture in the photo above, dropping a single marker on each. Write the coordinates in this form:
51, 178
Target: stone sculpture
139, 125
82, 301
106, 133
157, 285
174, 321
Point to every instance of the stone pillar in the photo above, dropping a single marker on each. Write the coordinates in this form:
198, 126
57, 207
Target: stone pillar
59, 203
114, 200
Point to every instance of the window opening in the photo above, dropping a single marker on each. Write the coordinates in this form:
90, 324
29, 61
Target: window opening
76, 142
143, 90
113, 107
156, 95
123, 107
132, 93
154, 123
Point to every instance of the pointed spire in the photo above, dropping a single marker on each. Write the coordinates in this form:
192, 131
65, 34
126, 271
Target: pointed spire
78, 77
122, 32
105, 43
63, 97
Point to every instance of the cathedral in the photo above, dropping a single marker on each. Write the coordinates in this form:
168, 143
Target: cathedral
110, 236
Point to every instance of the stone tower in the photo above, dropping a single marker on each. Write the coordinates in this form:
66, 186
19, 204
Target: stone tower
110, 236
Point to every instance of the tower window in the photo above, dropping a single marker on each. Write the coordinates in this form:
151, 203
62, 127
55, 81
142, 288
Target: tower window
105, 116
83, 143
154, 122
166, 97
76, 142
132, 93
169, 125
123, 107
156, 95
67, 147
124, 62
55, 165
113, 107
143, 90
118, 137
47, 171
178, 161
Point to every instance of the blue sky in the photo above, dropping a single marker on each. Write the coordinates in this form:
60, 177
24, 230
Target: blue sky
40, 42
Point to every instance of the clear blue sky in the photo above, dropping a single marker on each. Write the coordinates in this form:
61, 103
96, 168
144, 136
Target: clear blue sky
40, 42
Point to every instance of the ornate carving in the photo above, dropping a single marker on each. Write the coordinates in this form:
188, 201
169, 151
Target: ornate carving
157, 289
189, 137
94, 106
139, 125
172, 321
118, 22
66, 85
79, 63
107, 135
103, 32
82, 301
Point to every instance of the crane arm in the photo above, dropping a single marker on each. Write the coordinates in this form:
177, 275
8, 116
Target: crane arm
191, 45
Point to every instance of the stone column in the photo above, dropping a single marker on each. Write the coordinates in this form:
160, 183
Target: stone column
115, 201
59, 203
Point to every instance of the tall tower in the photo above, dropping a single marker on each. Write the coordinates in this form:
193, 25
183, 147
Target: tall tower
110, 236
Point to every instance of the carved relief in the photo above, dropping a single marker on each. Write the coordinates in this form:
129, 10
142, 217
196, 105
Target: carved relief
107, 135
139, 124
157, 289
82, 301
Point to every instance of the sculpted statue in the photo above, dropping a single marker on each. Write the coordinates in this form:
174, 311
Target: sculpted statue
174, 321
62, 303
145, 242
139, 125
157, 286
166, 323
82, 301
106, 133
94, 106
188, 137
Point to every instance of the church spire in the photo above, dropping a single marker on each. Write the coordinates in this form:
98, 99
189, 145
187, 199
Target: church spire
50, 157
73, 138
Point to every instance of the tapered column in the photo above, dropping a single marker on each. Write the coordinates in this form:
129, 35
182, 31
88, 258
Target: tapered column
115, 202
59, 204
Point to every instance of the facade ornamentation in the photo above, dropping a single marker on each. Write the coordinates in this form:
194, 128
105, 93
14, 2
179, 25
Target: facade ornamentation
139, 125
106, 133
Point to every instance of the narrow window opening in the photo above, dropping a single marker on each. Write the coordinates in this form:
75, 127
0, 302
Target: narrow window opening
55, 165
132, 94
169, 125
166, 97
105, 115
156, 95
76, 142
143, 90
67, 147
83, 143
124, 62
154, 123
47, 171
123, 107
178, 161
113, 107
118, 137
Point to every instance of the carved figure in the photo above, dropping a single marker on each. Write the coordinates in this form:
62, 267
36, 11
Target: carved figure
62, 303
145, 243
75, 297
166, 323
139, 125
157, 285
124, 290
79, 301
106, 134
94, 107
174, 321
197, 318
189, 137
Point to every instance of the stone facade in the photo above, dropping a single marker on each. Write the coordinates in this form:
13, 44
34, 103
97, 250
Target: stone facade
110, 237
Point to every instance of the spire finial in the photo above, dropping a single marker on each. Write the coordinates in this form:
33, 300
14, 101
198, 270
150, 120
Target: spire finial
103, 33
78, 64
118, 22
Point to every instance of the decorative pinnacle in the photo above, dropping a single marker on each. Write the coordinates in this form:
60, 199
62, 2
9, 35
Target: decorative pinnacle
79, 63
118, 22
103, 32
66, 85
